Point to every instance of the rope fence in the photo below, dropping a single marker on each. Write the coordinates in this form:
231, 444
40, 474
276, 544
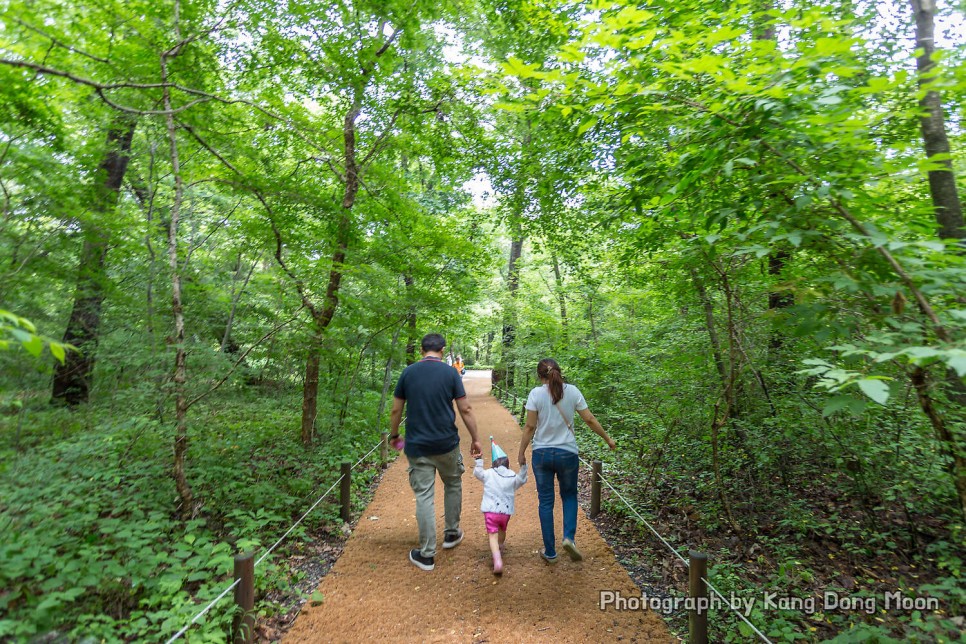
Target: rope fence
635, 512
701, 560
203, 611
243, 626
696, 563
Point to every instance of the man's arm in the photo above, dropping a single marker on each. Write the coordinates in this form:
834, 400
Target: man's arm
528, 429
395, 417
466, 413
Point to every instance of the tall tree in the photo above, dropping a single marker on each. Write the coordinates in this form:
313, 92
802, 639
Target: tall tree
72, 379
942, 181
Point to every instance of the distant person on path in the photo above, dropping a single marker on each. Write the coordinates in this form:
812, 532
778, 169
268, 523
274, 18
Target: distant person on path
500, 484
428, 388
550, 425
458, 365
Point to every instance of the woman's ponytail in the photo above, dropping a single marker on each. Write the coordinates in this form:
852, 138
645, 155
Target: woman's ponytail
549, 370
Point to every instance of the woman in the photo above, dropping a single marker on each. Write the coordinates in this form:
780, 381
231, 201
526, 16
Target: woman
550, 425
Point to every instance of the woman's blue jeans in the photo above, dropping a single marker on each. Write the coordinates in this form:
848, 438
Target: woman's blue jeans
547, 463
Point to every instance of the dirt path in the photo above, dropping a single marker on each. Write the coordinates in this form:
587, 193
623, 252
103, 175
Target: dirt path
374, 593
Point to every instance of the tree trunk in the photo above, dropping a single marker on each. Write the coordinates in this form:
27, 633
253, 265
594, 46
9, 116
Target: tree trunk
561, 298
227, 344
764, 29
947, 207
591, 296
777, 300
177, 308
323, 318
411, 338
509, 317
942, 183
310, 389
387, 378
709, 325
944, 434
72, 379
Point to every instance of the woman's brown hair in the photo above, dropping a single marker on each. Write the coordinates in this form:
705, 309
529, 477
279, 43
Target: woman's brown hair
549, 370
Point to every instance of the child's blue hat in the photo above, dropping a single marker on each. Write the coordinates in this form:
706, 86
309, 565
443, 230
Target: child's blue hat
496, 451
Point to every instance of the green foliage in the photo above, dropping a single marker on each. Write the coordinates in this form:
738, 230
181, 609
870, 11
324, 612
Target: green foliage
728, 240
17, 330
94, 548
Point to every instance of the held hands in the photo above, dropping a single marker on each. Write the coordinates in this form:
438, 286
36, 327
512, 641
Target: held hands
476, 450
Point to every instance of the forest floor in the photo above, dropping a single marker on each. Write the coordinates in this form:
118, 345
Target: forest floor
374, 592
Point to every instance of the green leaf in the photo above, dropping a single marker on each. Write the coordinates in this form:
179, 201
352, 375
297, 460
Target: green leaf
57, 350
34, 346
516, 67
875, 389
587, 124
957, 362
838, 403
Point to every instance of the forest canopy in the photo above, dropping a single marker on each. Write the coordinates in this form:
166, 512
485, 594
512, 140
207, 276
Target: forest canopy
225, 226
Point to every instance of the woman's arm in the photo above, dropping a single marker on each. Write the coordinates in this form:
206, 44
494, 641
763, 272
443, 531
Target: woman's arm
528, 429
595, 425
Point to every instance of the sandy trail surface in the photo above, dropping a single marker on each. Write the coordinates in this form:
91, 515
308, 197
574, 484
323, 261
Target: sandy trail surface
374, 593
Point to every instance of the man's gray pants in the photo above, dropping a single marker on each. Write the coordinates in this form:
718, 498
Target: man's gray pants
422, 479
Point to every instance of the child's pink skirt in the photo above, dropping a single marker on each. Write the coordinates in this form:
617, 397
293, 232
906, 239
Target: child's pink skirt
496, 522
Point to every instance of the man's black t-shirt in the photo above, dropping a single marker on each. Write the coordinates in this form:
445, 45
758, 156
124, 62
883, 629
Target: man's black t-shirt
429, 388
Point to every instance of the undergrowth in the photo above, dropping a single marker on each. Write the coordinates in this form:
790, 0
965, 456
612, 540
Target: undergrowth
93, 546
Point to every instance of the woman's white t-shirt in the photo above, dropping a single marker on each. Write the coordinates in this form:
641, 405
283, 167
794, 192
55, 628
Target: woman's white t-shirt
552, 431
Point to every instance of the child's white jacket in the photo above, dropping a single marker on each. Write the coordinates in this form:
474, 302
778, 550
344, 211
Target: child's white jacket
499, 485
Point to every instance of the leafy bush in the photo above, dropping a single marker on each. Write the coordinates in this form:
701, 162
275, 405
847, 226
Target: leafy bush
92, 544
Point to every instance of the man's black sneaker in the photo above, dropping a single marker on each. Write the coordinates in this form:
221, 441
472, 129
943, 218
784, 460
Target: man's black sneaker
453, 540
421, 562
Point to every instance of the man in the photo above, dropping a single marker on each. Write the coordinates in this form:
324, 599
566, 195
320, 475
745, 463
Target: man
429, 388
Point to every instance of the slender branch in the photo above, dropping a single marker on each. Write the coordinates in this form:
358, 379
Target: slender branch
237, 298
389, 41
140, 112
306, 301
58, 43
242, 357
380, 141
100, 88
190, 130
201, 243
334, 169
50, 71
941, 332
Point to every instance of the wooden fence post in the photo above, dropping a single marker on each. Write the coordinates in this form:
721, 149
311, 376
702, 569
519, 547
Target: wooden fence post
698, 591
243, 624
595, 489
384, 449
345, 491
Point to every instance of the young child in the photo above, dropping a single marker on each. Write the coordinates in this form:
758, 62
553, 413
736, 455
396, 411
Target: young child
499, 485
